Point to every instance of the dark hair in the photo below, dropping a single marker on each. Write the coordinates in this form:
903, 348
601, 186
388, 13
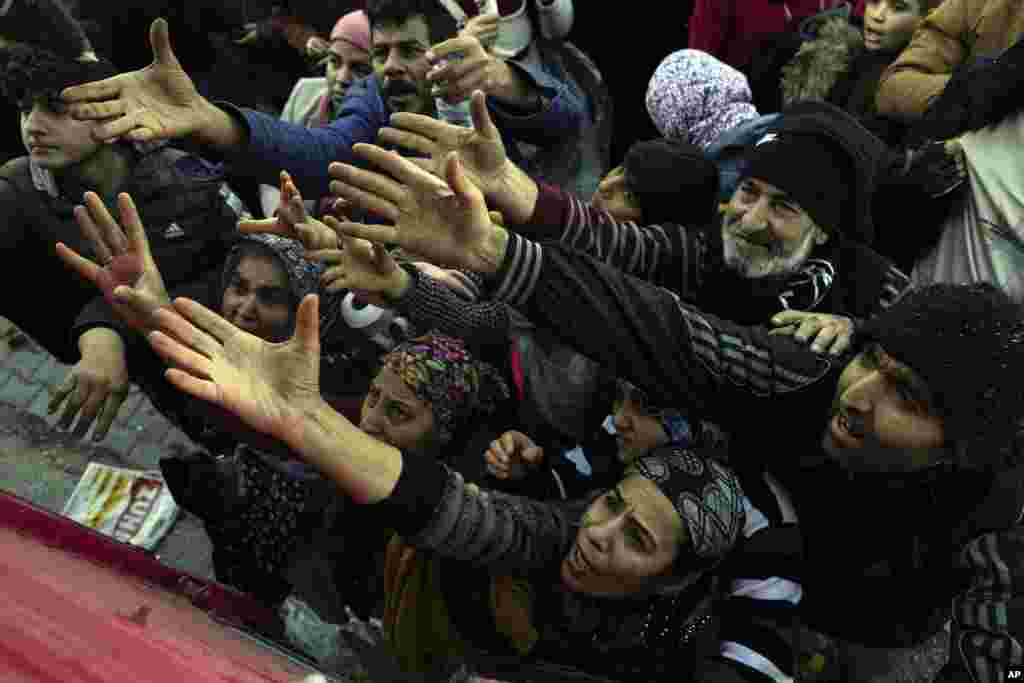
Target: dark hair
440, 24
45, 22
673, 182
29, 71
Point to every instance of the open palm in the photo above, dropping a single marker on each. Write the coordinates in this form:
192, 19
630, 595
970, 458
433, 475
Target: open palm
480, 149
447, 222
157, 102
359, 265
270, 387
127, 260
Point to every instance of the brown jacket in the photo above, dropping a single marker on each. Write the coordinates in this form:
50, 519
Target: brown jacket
956, 32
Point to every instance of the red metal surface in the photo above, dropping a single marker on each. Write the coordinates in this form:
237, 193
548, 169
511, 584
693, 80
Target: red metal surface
77, 607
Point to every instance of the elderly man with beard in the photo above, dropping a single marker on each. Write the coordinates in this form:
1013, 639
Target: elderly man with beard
793, 237
411, 42
899, 457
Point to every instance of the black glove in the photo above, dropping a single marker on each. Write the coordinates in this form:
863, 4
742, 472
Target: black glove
935, 168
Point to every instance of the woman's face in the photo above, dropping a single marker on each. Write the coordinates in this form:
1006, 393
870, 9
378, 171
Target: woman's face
257, 298
637, 431
629, 537
393, 414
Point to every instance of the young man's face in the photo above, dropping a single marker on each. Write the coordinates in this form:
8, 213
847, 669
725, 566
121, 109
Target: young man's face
400, 63
346, 64
53, 138
765, 232
890, 24
883, 417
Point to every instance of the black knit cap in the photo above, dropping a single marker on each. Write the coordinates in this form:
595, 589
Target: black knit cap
827, 162
673, 182
30, 71
966, 342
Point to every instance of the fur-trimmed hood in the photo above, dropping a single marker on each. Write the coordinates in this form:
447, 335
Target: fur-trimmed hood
821, 62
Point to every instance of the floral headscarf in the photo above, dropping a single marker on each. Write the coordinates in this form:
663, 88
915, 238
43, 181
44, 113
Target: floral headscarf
440, 371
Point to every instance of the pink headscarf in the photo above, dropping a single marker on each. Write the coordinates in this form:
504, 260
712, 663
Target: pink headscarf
353, 28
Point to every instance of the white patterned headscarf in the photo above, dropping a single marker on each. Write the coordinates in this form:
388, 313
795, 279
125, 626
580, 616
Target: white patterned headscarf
706, 495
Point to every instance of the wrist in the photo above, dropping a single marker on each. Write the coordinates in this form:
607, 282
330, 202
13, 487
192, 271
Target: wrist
515, 195
402, 282
218, 128
497, 248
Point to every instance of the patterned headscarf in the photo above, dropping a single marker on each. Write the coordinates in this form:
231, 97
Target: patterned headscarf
693, 97
303, 275
706, 495
440, 371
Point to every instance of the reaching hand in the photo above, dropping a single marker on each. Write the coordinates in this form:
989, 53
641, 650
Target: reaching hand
447, 223
268, 386
825, 331
361, 266
129, 278
480, 149
464, 65
95, 387
513, 455
483, 27
293, 221
157, 102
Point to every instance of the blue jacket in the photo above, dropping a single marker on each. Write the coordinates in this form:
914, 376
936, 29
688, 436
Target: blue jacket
306, 152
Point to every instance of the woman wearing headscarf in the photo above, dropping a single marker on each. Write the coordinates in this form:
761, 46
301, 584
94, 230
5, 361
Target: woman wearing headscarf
317, 101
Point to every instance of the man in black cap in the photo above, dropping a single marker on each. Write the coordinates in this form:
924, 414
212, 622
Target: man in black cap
794, 235
189, 210
899, 457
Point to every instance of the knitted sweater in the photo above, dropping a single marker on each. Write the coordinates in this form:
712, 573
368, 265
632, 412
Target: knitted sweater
885, 539
844, 278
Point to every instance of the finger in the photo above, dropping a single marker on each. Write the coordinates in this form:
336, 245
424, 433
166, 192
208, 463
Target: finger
374, 233
533, 455
328, 256
141, 304
202, 389
60, 393
789, 317
111, 233
90, 408
507, 443
307, 325
83, 266
398, 167
180, 354
382, 259
457, 69
205, 320
95, 93
174, 323
808, 328
268, 225
467, 45
482, 122
128, 126
365, 200
788, 330
462, 185
136, 232
427, 127
826, 335
414, 142
463, 87
111, 408
92, 232
160, 41
842, 342
74, 403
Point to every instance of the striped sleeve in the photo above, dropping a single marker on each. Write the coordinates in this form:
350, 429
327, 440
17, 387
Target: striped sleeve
644, 333
985, 638
895, 283
430, 304
663, 255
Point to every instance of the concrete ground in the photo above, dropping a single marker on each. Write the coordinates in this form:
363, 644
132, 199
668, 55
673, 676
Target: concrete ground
43, 464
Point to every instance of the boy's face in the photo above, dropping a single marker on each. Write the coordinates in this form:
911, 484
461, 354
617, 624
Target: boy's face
890, 24
53, 138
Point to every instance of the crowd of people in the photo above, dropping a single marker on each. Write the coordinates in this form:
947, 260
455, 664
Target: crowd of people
731, 394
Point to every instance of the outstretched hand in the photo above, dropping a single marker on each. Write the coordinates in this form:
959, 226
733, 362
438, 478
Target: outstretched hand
158, 102
362, 266
270, 387
824, 331
292, 220
512, 455
480, 149
129, 278
446, 222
